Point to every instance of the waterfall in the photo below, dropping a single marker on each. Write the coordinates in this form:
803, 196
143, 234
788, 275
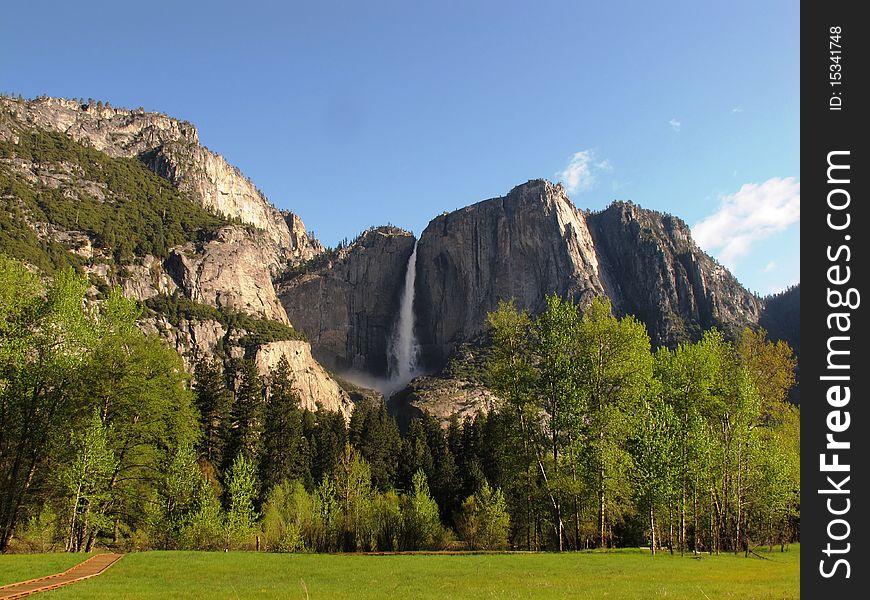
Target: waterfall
404, 350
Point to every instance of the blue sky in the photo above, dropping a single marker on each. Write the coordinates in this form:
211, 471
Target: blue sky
354, 114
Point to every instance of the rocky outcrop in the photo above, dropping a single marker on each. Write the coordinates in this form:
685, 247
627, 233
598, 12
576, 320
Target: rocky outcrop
230, 270
347, 306
171, 149
521, 247
197, 339
192, 339
654, 270
317, 390
535, 242
147, 279
443, 398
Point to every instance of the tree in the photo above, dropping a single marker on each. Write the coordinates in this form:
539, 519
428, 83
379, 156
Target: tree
484, 522
615, 367
374, 433
691, 378
771, 366
353, 491
141, 390
422, 526
44, 338
213, 400
246, 415
326, 434
284, 448
654, 452
88, 479
559, 388
287, 516
242, 489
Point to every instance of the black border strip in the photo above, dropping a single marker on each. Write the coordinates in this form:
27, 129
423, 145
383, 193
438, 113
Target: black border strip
833, 119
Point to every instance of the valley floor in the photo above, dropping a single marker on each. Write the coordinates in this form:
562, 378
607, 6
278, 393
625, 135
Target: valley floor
621, 574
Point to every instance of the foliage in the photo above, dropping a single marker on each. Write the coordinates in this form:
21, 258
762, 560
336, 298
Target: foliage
422, 525
244, 436
484, 522
60, 365
256, 331
88, 480
284, 455
135, 212
597, 441
213, 400
242, 490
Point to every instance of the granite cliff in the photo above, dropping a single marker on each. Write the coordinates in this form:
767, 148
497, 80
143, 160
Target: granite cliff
347, 303
534, 242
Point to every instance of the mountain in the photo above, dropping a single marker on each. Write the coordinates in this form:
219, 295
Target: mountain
132, 198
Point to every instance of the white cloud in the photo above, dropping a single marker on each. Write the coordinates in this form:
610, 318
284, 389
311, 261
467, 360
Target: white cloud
737, 109
675, 124
755, 212
771, 266
579, 174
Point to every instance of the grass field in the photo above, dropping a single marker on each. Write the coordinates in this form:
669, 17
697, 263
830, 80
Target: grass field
621, 574
20, 567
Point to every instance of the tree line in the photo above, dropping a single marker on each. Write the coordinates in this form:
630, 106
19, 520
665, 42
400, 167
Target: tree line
105, 440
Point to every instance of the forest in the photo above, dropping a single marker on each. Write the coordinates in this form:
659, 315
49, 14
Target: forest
599, 441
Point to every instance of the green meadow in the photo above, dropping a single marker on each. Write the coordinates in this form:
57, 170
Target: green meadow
617, 574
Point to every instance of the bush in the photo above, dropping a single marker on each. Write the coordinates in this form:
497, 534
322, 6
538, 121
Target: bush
422, 528
288, 514
484, 523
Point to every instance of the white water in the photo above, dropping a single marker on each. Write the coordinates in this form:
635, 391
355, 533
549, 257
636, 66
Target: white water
403, 352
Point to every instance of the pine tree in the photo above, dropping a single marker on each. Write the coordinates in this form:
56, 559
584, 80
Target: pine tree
213, 400
246, 415
374, 433
283, 446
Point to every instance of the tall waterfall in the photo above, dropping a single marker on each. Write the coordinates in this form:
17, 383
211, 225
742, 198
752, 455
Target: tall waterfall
404, 350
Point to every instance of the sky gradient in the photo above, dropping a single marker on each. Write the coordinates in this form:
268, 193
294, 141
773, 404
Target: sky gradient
354, 114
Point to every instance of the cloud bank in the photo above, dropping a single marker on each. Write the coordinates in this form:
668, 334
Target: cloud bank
754, 213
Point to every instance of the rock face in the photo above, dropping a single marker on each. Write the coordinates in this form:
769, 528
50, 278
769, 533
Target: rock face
230, 270
197, 339
534, 242
192, 339
652, 269
171, 149
310, 380
523, 246
347, 307
443, 398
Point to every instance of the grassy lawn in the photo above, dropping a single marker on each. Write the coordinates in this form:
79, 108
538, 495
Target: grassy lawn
20, 567
621, 574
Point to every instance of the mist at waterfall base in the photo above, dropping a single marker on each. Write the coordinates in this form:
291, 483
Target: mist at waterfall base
403, 349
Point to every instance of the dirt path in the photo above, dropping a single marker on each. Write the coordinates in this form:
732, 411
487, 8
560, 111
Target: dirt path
84, 570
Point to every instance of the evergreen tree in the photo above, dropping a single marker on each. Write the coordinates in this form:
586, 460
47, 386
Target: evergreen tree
246, 416
326, 434
283, 454
374, 433
213, 400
